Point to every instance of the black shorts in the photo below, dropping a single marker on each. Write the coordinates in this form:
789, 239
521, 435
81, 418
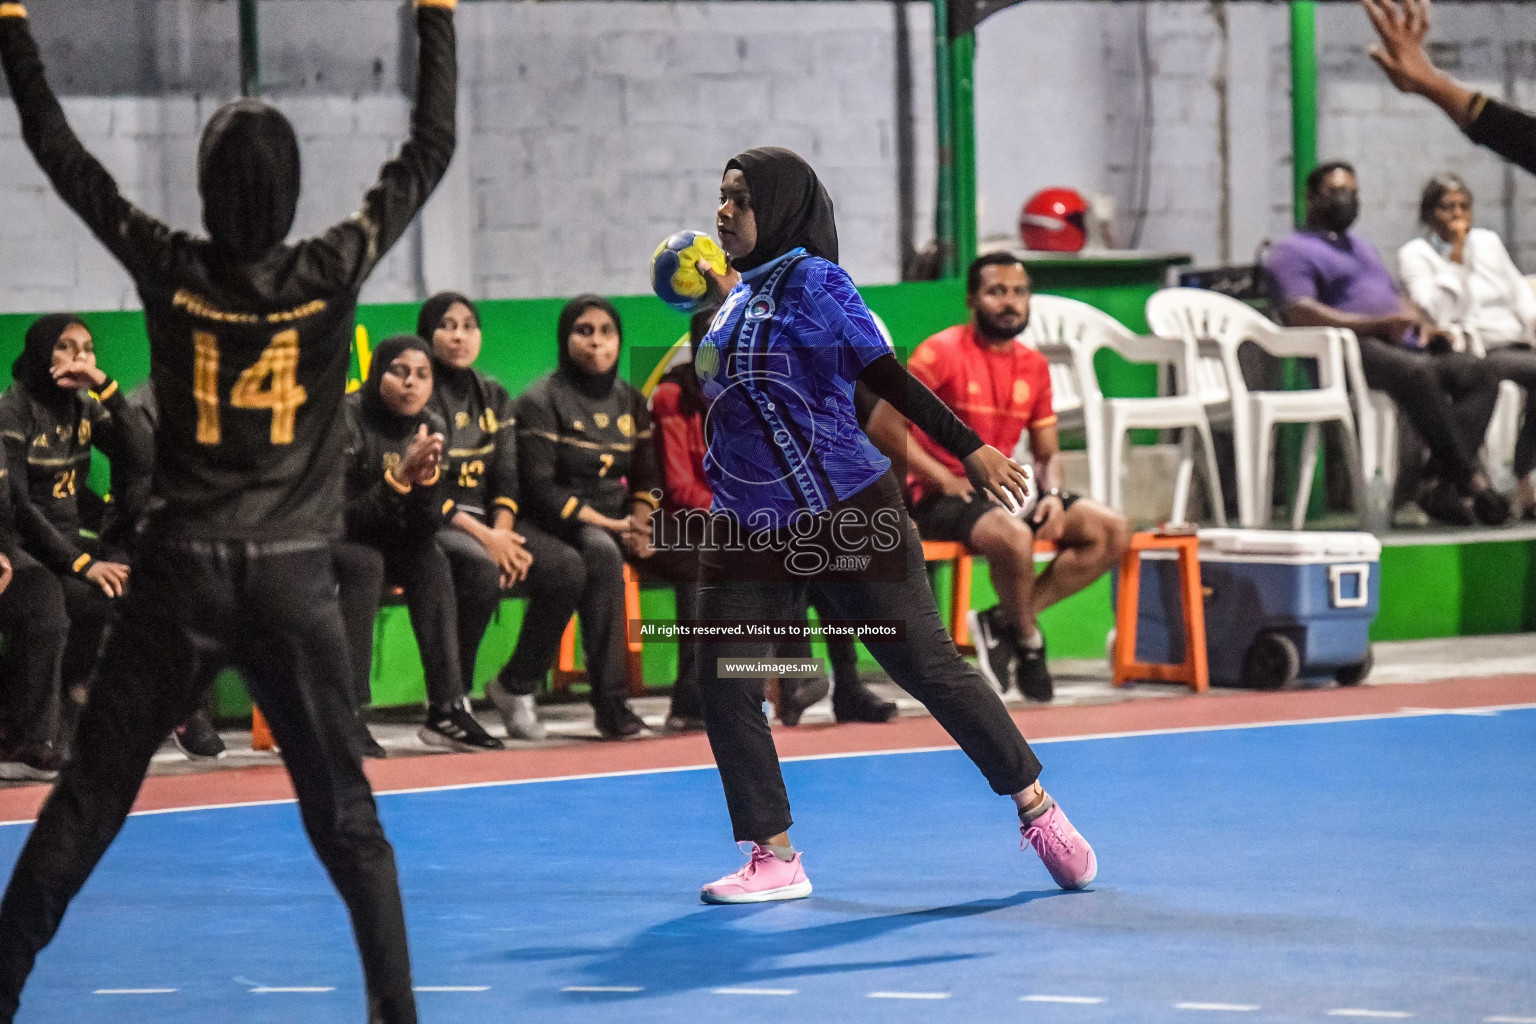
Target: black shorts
941, 516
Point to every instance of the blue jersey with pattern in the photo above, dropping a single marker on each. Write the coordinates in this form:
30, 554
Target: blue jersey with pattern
777, 369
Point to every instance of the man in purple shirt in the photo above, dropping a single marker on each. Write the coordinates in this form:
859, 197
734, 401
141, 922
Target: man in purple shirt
1325, 276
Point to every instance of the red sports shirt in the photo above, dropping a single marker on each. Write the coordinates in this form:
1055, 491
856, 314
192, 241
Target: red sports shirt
998, 392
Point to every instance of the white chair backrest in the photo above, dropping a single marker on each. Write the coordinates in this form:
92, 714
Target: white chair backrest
1069, 332
1204, 317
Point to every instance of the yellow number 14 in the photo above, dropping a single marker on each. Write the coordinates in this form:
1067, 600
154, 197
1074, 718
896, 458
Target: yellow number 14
269, 383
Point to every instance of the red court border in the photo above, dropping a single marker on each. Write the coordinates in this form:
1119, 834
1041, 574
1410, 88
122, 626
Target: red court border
270, 782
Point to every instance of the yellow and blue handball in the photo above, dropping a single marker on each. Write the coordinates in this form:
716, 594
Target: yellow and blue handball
675, 273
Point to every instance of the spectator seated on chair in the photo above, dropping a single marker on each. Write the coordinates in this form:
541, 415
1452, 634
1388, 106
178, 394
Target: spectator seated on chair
396, 506
587, 466
1001, 387
33, 619
60, 406
1325, 275
1462, 277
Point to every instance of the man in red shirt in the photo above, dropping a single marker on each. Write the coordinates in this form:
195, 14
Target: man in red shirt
1001, 387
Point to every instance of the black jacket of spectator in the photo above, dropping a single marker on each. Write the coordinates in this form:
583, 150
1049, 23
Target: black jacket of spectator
380, 509
584, 439
48, 433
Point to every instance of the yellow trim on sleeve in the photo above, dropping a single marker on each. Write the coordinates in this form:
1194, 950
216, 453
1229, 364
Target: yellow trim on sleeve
80, 563
437, 474
1474, 109
389, 478
570, 506
1049, 421
447, 506
649, 498
107, 392
507, 503
445, 4
13, 11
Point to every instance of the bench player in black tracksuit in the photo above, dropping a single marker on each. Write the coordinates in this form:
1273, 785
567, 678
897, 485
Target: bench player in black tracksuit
249, 347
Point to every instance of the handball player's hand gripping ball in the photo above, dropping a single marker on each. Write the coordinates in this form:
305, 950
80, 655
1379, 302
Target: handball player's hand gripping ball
1010, 483
675, 273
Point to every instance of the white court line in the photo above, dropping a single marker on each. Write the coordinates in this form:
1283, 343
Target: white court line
133, 992
756, 991
584, 776
452, 988
1220, 1007
1509, 1020
1073, 1000
1375, 1014
262, 990
602, 988
908, 995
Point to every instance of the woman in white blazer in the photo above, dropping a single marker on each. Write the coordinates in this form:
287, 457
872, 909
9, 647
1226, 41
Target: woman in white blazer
1463, 277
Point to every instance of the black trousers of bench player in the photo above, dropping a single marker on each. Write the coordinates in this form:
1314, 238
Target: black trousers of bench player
926, 665
270, 610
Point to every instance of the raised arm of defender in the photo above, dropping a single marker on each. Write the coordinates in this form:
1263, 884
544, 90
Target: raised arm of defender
406, 181
82, 182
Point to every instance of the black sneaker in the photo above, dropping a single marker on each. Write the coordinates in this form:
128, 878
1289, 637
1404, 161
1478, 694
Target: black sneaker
1034, 677
371, 747
456, 729
616, 721
1491, 507
30, 762
796, 695
1445, 504
856, 702
994, 647
197, 739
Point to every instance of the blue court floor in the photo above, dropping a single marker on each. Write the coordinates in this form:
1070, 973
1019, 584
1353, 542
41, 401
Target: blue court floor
1375, 869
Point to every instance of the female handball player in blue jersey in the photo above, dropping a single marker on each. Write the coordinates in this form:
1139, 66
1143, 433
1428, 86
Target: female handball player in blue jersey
804, 497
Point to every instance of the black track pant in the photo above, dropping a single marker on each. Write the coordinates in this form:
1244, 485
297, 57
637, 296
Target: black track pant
423, 571
359, 589
1448, 398
33, 617
583, 574
1519, 365
926, 665
270, 610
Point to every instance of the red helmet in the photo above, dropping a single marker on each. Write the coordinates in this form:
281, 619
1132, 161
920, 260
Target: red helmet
1054, 220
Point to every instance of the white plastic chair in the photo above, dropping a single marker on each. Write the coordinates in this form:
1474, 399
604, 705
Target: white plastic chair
1068, 333
1218, 325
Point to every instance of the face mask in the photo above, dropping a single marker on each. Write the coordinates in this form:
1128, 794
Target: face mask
1336, 211
1440, 245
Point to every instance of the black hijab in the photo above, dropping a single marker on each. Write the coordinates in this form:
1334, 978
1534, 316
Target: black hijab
248, 176
593, 385
373, 402
790, 204
32, 367
431, 315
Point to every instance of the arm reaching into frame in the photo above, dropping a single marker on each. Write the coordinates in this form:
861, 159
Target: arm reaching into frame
1402, 26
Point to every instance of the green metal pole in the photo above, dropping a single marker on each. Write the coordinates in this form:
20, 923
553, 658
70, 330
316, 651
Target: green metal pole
963, 68
943, 107
250, 59
1303, 99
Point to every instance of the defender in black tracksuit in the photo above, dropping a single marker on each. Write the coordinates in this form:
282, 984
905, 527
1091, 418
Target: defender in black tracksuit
249, 348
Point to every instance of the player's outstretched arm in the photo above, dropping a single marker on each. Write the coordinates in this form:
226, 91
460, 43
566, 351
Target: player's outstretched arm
79, 178
406, 182
1402, 26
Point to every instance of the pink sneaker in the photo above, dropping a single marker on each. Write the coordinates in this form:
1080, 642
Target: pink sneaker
764, 878
1066, 854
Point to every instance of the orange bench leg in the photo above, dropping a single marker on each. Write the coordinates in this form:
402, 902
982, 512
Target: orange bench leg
1194, 670
960, 602
633, 664
261, 733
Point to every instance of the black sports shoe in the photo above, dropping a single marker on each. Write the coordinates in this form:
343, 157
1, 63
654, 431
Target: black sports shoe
371, 747
1445, 504
1034, 677
856, 702
198, 739
795, 695
456, 729
1491, 507
616, 720
994, 642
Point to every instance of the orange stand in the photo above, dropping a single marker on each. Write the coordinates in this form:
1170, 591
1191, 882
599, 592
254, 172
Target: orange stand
960, 591
1193, 671
261, 735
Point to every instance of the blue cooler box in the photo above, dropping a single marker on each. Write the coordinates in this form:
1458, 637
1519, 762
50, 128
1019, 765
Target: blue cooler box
1279, 606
